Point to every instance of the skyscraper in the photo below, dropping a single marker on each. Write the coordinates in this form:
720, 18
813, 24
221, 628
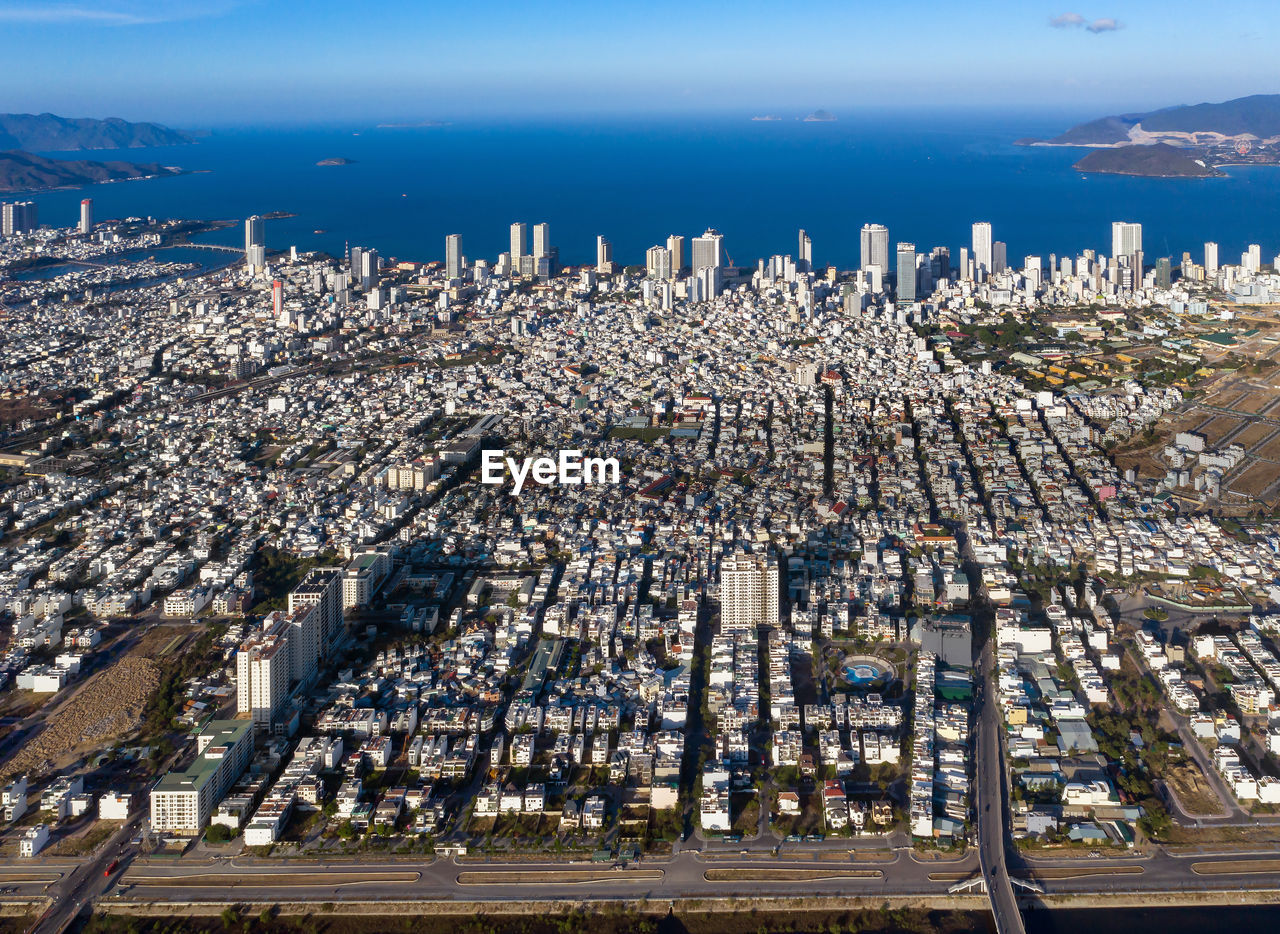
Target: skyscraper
657, 262
982, 249
1126, 238
708, 250
875, 246
541, 240
86, 215
18, 217
906, 272
804, 255
253, 233
1211, 258
1164, 273
675, 243
277, 298
999, 256
604, 256
519, 237
453, 256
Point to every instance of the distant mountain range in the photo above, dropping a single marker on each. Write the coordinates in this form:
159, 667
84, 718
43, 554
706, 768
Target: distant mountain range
1244, 130
25, 171
49, 132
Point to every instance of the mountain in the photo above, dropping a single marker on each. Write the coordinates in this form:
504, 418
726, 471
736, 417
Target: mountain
24, 171
49, 132
1156, 160
1257, 116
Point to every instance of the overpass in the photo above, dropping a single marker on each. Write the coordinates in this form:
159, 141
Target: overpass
991, 808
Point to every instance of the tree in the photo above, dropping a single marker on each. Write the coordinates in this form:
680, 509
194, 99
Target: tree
230, 916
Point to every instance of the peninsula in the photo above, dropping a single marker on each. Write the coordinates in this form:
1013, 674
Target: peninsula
1187, 141
51, 133
25, 171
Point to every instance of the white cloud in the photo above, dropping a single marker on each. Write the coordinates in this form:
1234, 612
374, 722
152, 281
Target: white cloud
1075, 21
1105, 24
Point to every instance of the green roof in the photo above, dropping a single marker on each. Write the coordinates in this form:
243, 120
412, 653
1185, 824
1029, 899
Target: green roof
221, 733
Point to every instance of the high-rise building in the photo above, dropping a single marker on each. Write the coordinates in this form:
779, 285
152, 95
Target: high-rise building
321, 589
1164, 273
254, 233
875, 247
277, 298
708, 250
1251, 259
675, 243
541, 240
804, 254
1210, 258
519, 237
86, 215
906, 291
263, 672
453, 256
1126, 239
999, 256
18, 217
982, 249
749, 593
370, 263
604, 256
657, 262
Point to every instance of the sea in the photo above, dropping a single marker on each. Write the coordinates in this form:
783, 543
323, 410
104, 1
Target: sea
634, 181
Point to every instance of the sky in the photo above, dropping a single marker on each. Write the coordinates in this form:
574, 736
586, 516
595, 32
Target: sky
213, 63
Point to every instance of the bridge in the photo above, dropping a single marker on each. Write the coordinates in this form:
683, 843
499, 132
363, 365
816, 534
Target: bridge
216, 247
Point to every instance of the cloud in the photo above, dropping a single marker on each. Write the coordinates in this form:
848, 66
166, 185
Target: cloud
1075, 20
122, 13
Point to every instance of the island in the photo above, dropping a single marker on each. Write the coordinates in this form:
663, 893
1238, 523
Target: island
1157, 160
337, 160
820, 116
1187, 141
50, 133
25, 171
766, 118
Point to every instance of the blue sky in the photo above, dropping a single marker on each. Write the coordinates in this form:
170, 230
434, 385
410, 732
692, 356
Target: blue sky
240, 62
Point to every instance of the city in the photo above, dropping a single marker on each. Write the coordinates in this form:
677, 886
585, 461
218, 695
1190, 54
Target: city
925, 578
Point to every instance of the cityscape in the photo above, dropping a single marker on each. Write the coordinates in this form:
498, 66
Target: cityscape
602, 468
939, 578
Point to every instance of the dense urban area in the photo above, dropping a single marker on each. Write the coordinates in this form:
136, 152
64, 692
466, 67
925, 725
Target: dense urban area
943, 577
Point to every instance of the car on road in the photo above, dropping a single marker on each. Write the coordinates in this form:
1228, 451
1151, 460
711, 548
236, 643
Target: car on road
115, 864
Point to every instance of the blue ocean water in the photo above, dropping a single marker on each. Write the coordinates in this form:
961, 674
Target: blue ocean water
637, 181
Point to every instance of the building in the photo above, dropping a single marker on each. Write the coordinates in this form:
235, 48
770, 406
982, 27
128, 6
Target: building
604, 256
657, 262
323, 588
86, 215
263, 673
33, 840
708, 250
999, 256
254, 233
182, 802
453, 256
519, 237
675, 244
804, 253
1210, 258
1126, 239
982, 250
18, 217
875, 247
906, 272
541, 240
363, 576
749, 593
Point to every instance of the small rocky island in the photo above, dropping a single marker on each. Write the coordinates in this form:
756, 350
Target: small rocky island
337, 160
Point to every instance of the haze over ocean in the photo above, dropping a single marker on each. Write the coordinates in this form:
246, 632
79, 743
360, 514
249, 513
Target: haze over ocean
636, 181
